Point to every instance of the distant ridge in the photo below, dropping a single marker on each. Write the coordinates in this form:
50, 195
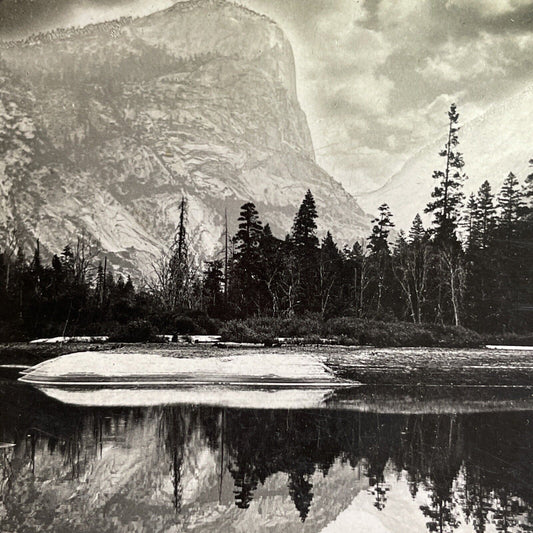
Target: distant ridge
111, 26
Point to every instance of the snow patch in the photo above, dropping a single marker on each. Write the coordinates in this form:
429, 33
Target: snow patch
264, 368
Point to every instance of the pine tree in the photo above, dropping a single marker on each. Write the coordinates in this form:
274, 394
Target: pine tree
447, 194
182, 233
247, 267
274, 261
36, 264
212, 288
470, 223
417, 231
380, 232
528, 194
304, 227
485, 214
480, 268
178, 264
330, 267
304, 242
380, 251
250, 231
510, 204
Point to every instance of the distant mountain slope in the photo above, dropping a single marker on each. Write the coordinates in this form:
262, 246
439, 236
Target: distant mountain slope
107, 127
494, 144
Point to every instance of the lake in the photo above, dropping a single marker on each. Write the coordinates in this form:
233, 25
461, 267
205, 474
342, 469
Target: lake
375, 458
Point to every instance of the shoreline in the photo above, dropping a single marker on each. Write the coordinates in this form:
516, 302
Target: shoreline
415, 366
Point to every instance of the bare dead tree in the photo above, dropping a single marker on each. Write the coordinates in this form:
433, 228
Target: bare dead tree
85, 252
453, 278
175, 271
10, 249
410, 267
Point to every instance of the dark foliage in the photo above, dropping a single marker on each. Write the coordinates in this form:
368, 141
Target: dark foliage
473, 269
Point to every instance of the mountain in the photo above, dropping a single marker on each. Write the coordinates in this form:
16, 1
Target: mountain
104, 129
496, 143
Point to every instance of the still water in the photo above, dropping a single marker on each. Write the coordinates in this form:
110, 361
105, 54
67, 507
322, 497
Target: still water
214, 469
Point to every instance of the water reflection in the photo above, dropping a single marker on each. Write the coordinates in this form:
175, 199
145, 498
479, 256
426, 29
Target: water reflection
192, 468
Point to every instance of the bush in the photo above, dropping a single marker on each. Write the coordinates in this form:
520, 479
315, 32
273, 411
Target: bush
135, 331
184, 325
348, 331
237, 331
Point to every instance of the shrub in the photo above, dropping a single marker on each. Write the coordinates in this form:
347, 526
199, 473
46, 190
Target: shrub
184, 325
135, 331
237, 331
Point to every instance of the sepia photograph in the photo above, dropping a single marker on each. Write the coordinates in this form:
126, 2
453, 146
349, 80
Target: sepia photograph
266, 266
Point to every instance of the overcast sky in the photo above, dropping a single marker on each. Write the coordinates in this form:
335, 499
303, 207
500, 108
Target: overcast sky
375, 77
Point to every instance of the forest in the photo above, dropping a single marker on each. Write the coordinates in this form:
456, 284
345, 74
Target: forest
470, 269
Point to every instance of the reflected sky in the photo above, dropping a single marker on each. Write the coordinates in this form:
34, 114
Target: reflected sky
192, 468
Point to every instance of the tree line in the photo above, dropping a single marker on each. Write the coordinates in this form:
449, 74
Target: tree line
472, 267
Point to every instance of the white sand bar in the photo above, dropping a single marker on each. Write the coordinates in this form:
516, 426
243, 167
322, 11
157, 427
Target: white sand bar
145, 369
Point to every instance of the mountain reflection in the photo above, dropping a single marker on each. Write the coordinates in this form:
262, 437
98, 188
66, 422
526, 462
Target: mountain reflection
204, 468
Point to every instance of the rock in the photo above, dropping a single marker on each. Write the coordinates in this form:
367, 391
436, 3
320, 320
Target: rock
106, 128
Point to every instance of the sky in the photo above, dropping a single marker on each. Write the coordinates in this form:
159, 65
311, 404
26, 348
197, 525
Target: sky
375, 77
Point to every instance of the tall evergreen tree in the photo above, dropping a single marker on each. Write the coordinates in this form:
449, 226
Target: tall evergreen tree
178, 264
212, 288
380, 252
304, 241
330, 268
249, 233
528, 194
485, 214
417, 231
274, 252
378, 240
246, 279
510, 204
470, 223
304, 227
447, 193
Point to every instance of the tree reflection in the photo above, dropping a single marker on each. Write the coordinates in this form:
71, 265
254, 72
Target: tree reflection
474, 468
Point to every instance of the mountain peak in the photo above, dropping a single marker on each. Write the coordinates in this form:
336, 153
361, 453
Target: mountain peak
198, 100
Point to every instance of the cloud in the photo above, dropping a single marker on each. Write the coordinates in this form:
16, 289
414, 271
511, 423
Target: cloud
396, 12
340, 75
490, 8
365, 91
489, 56
377, 78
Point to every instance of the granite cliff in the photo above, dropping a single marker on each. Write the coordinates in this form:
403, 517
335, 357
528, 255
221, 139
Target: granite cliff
104, 129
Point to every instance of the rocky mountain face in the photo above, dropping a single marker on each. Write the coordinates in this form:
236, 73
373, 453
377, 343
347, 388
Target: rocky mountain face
496, 143
104, 129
